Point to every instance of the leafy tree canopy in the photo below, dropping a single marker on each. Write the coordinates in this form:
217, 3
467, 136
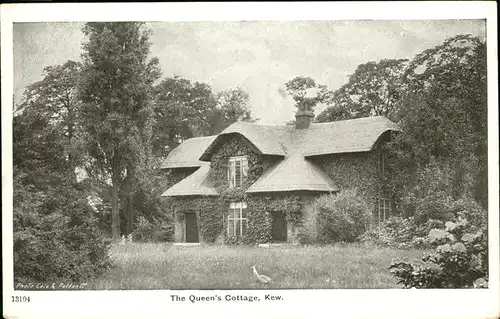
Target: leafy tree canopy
373, 89
305, 92
116, 90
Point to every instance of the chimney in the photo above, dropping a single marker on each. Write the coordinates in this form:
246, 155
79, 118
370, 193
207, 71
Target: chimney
303, 119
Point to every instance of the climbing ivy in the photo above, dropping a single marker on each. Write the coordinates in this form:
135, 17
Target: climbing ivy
347, 170
208, 213
260, 218
354, 170
212, 211
220, 161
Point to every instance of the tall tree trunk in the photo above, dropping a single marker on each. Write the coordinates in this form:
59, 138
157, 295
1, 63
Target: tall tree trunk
130, 214
128, 191
115, 213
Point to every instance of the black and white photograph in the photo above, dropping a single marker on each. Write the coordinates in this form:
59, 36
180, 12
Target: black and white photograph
246, 162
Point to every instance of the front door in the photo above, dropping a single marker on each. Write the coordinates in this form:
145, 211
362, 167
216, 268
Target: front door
278, 227
191, 228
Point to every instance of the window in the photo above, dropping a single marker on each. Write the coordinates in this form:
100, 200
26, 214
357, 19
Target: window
383, 209
237, 221
237, 172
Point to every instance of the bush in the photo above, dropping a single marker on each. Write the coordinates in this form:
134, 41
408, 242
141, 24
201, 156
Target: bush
394, 232
306, 233
433, 207
464, 208
423, 229
164, 232
143, 230
238, 240
460, 260
469, 209
55, 228
158, 230
341, 217
62, 245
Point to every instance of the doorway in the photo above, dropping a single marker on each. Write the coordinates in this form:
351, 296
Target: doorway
191, 228
278, 227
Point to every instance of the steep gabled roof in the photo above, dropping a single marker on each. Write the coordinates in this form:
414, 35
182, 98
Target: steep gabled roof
357, 135
197, 183
294, 173
187, 154
266, 138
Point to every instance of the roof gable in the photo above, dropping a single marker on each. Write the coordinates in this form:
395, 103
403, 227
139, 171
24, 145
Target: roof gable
293, 174
266, 139
187, 154
348, 136
197, 183
356, 135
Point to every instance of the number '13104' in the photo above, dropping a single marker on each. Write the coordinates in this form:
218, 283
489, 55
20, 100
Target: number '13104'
20, 299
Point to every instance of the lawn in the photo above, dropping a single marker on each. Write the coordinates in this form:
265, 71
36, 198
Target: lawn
165, 266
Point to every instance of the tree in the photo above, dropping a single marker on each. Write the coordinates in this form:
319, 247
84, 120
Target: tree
305, 92
439, 99
55, 229
185, 109
232, 106
116, 89
182, 110
55, 97
451, 77
374, 88
444, 117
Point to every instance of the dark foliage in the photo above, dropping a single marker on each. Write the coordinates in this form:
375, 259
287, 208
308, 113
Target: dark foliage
342, 217
460, 260
56, 233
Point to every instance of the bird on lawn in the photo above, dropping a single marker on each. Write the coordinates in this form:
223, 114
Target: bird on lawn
261, 278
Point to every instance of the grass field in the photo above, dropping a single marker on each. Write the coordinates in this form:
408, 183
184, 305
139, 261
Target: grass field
165, 266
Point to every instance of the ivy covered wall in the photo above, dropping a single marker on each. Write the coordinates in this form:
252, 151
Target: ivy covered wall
208, 214
236, 145
360, 170
212, 212
259, 207
354, 170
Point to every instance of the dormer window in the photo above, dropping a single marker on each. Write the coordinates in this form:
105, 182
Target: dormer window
237, 170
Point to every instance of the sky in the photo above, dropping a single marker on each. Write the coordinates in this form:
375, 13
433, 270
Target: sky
257, 56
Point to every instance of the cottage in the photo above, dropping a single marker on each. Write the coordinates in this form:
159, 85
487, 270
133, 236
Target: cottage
256, 183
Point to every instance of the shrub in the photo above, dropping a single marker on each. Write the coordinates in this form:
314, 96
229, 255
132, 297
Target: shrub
238, 240
469, 209
55, 228
394, 232
435, 206
306, 233
65, 244
164, 233
460, 260
143, 229
156, 230
423, 229
341, 217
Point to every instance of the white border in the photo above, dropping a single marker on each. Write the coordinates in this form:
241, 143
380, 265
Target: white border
298, 303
